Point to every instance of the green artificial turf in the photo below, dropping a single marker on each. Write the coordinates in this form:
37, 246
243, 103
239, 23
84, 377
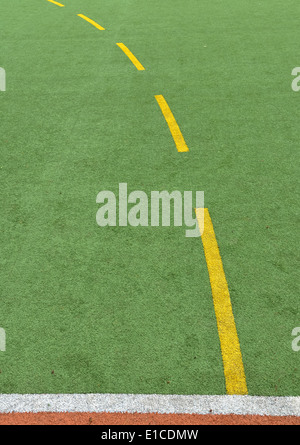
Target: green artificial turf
129, 309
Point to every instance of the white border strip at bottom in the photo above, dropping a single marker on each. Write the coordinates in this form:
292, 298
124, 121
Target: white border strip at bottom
150, 403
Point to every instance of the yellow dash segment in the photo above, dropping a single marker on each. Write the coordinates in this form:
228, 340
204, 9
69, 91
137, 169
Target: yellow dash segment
129, 54
56, 3
231, 353
92, 22
173, 126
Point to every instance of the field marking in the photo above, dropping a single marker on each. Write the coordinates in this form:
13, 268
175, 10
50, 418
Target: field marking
173, 126
129, 54
56, 3
151, 403
230, 347
92, 22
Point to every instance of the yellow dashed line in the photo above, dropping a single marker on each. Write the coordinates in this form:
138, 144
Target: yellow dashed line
129, 54
173, 126
56, 3
232, 358
92, 22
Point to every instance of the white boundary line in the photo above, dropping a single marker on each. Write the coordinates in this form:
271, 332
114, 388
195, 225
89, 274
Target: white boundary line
151, 403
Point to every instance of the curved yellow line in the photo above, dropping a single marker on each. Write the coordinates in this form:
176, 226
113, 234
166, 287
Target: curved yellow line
173, 126
230, 347
56, 3
92, 22
129, 54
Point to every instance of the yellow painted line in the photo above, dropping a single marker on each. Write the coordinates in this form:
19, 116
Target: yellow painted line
92, 22
129, 54
173, 126
230, 347
56, 3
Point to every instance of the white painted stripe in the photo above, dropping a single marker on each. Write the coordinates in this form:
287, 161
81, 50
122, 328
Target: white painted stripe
151, 403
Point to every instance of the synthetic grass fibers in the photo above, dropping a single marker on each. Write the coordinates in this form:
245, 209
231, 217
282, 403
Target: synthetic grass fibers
143, 325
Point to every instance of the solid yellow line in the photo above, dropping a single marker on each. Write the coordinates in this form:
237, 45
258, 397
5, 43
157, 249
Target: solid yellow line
129, 54
92, 22
230, 347
56, 3
173, 126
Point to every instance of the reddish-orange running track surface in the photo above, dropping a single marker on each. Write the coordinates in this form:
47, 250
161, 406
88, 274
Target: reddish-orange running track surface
142, 419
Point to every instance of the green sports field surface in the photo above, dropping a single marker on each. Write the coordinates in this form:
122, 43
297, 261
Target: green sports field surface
89, 309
